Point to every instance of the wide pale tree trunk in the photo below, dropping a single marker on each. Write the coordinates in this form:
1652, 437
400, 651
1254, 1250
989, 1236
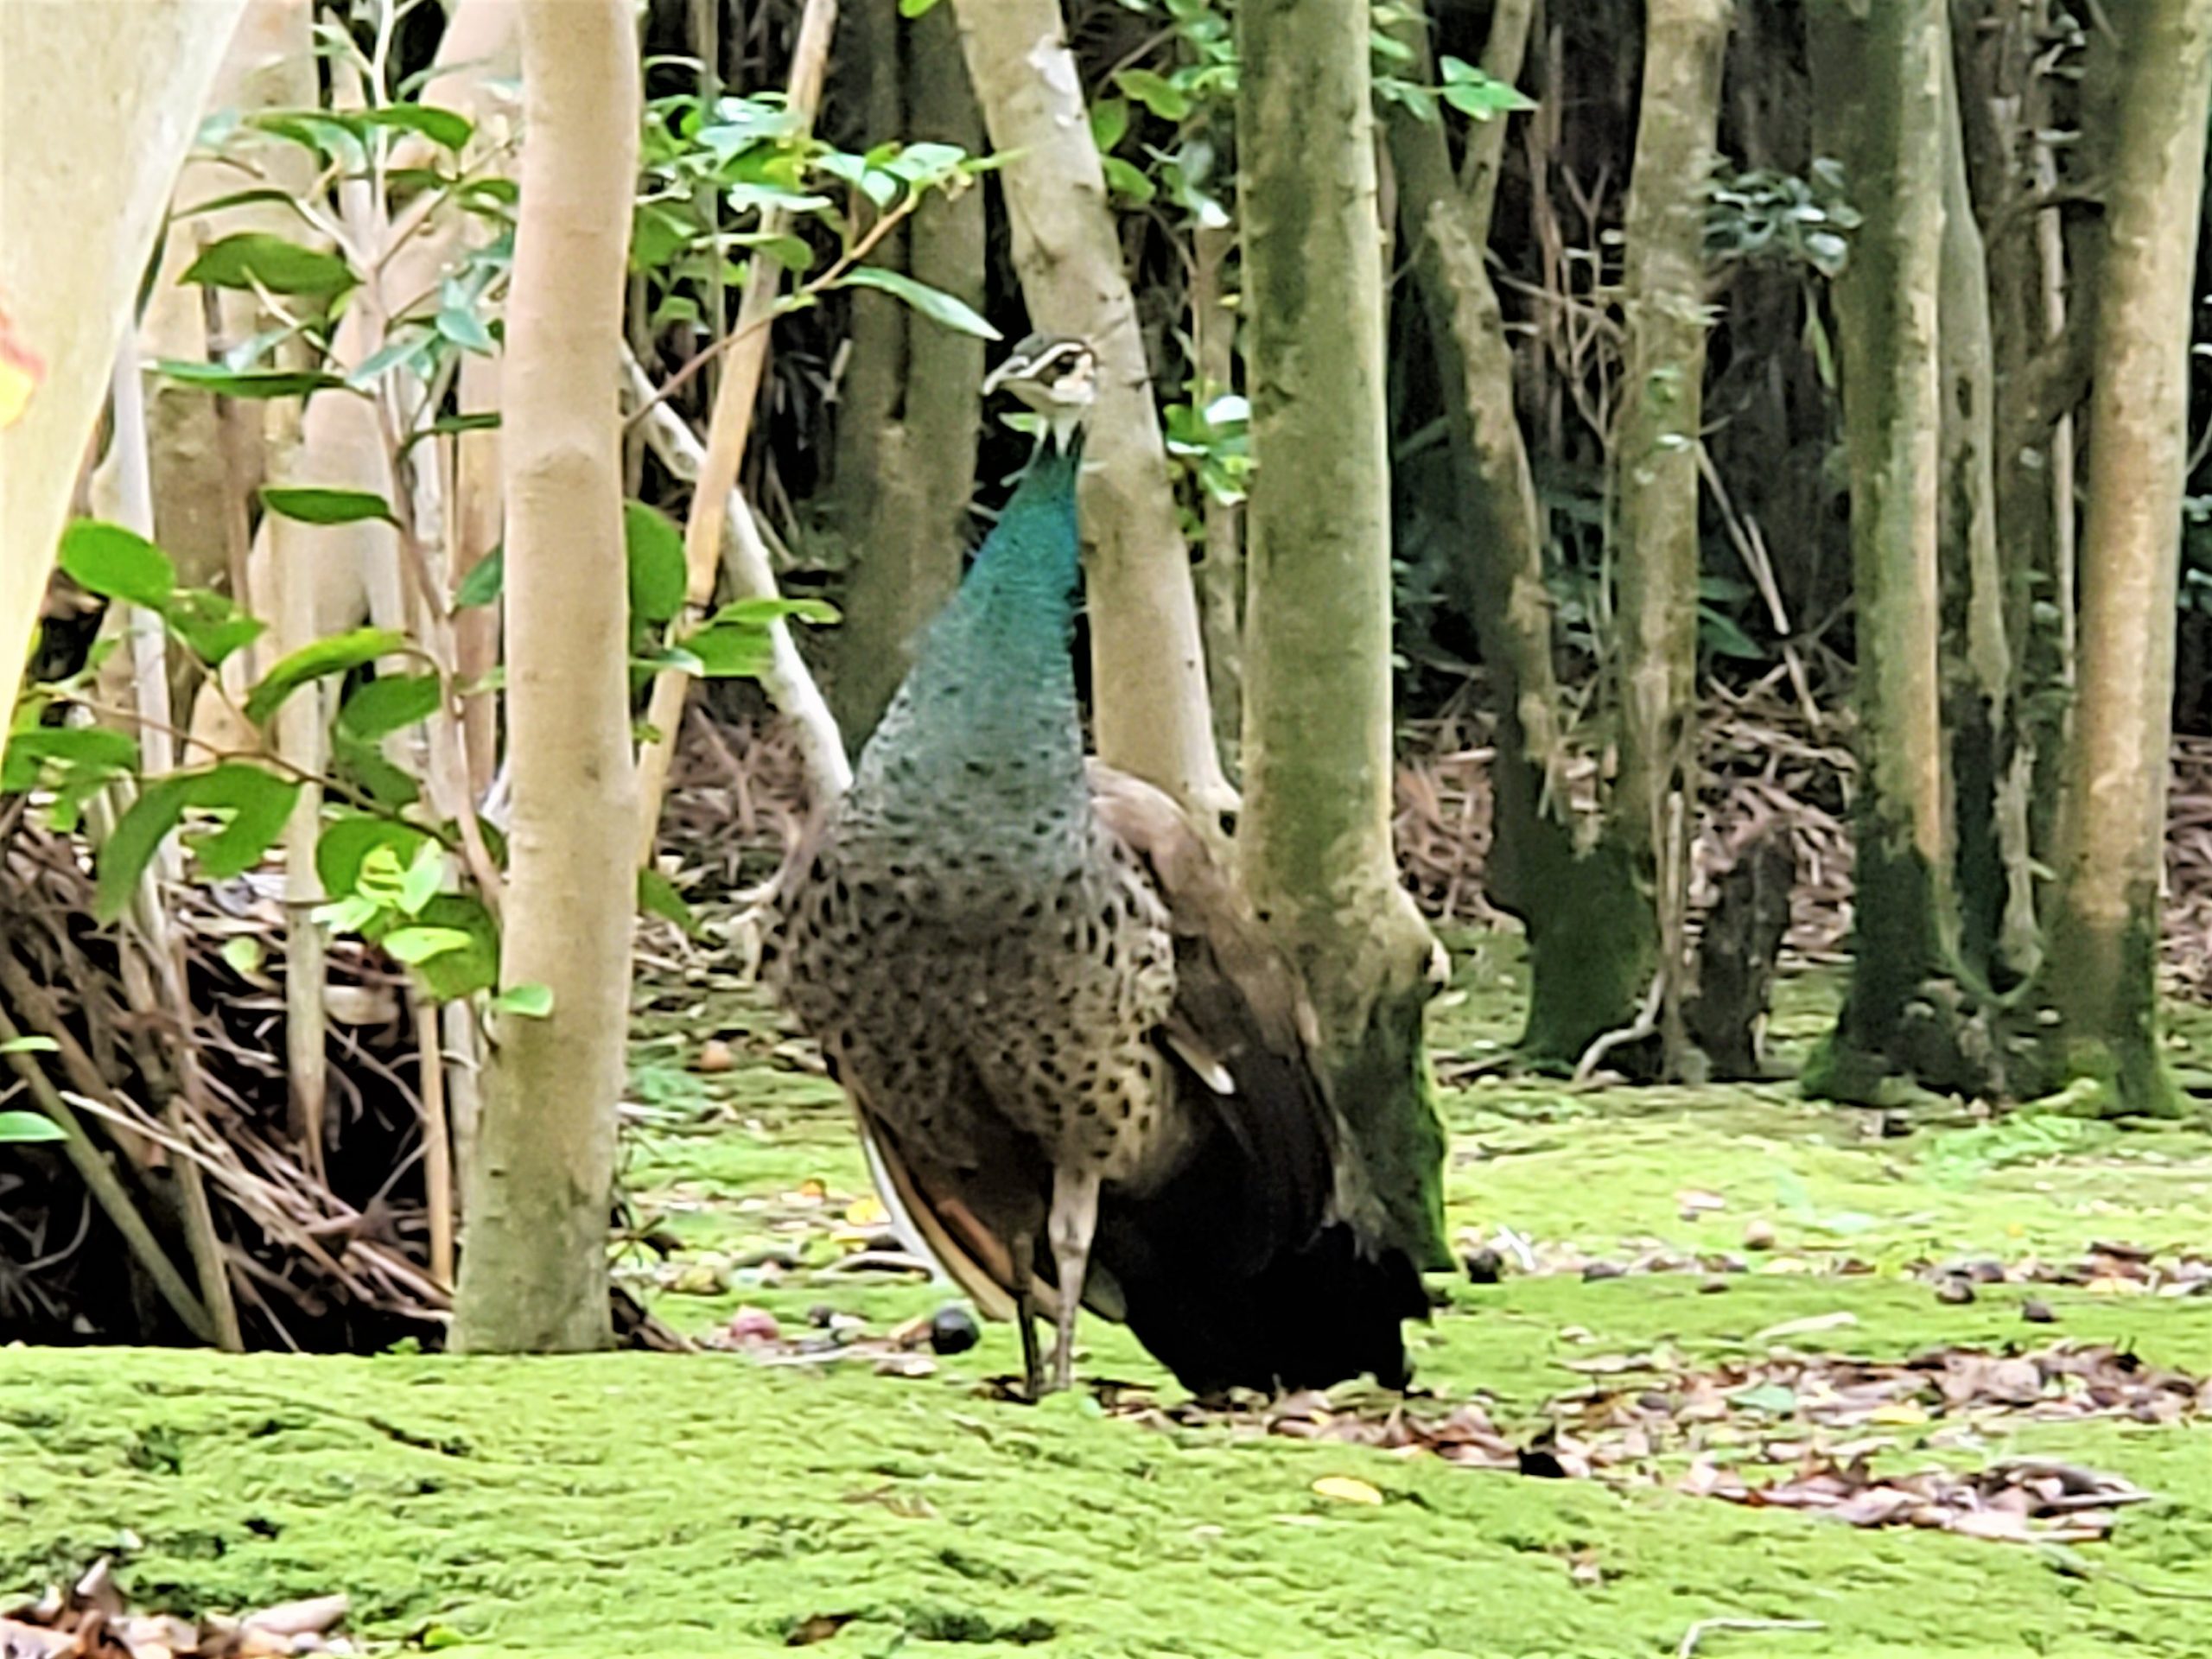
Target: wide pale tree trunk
1315, 839
98, 103
1880, 70
1148, 664
1655, 482
533, 1273
2102, 975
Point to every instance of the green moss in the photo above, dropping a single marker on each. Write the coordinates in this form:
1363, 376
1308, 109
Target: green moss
623, 1504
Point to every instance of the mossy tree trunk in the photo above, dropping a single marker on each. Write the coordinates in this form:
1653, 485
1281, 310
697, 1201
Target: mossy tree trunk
1879, 69
1996, 931
2101, 979
1590, 956
1315, 838
907, 419
1149, 672
533, 1273
1655, 479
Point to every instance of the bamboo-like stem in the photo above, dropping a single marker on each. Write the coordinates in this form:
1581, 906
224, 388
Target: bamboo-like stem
727, 432
787, 680
707, 201
107, 1188
162, 948
302, 740
463, 1048
437, 1139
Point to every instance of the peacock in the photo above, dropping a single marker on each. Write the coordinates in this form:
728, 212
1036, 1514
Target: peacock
1082, 1069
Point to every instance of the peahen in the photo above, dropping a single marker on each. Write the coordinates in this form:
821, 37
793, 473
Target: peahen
1082, 1069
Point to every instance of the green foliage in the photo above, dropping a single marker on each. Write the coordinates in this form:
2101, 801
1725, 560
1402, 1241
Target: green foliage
27, 1128
117, 564
328, 506
254, 259
1765, 216
339, 654
714, 174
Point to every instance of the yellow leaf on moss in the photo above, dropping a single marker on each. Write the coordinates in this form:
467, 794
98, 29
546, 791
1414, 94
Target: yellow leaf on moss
1345, 1490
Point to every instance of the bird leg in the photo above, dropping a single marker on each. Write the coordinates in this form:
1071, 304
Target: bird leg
1021, 1251
1074, 1219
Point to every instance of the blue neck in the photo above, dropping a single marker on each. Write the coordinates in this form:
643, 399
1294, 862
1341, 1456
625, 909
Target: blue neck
985, 729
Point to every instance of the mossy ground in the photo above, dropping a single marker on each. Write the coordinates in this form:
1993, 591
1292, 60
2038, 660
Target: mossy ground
633, 1505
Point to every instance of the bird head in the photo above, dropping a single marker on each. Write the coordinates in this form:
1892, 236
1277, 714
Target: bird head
1056, 375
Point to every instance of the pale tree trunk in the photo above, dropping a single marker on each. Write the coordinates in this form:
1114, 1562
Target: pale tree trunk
533, 1272
1996, 914
116, 88
1148, 671
1655, 477
906, 422
1881, 113
2103, 973
206, 452
1315, 837
1221, 568
1588, 963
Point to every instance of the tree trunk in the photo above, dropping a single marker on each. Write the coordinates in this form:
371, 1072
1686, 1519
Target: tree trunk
2102, 978
1879, 69
1656, 477
1315, 838
1148, 669
1996, 914
125, 84
533, 1273
1588, 963
907, 425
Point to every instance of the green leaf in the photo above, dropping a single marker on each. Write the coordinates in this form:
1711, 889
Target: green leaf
731, 650
1771, 1398
934, 303
30, 1045
1156, 92
211, 627
444, 128
255, 259
485, 579
24, 1128
466, 330
1126, 181
423, 880
411, 347
525, 1001
326, 506
249, 383
94, 750
658, 578
347, 841
759, 613
415, 945
1718, 633
258, 800
390, 703
107, 559
335, 655
1109, 122
915, 8
359, 762
244, 954
466, 968
260, 803
137, 835
657, 896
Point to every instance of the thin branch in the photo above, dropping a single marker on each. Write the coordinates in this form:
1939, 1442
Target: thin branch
107, 1188
727, 431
